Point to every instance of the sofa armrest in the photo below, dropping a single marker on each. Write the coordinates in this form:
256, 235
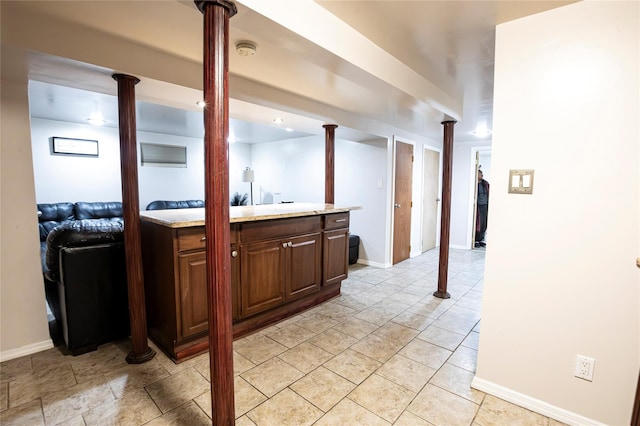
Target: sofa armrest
80, 233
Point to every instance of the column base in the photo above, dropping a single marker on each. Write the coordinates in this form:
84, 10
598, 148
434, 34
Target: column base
141, 358
442, 295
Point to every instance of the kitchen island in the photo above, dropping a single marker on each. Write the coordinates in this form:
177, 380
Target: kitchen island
285, 258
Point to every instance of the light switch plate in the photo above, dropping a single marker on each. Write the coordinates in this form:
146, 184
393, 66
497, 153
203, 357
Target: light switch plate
521, 181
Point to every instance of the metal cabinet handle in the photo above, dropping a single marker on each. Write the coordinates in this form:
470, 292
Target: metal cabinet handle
290, 244
341, 220
397, 206
234, 253
203, 239
284, 245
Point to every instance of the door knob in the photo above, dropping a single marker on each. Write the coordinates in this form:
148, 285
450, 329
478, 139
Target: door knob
234, 253
437, 200
289, 244
284, 245
638, 262
397, 206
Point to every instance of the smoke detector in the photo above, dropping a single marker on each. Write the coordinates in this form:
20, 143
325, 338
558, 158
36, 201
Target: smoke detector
245, 48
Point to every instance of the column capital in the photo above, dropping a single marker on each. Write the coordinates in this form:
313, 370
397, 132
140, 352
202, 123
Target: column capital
229, 5
119, 77
449, 122
329, 126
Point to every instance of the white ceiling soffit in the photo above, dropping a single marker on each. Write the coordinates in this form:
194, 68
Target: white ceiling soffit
354, 52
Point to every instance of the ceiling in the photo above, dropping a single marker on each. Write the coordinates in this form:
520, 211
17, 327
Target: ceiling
62, 103
375, 68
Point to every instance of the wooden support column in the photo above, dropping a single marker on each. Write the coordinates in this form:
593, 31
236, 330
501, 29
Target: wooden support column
141, 352
329, 162
445, 217
216, 152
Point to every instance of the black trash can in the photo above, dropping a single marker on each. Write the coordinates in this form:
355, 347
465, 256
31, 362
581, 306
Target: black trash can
354, 248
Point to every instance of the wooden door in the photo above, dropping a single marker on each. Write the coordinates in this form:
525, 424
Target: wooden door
262, 276
431, 199
194, 313
402, 202
304, 273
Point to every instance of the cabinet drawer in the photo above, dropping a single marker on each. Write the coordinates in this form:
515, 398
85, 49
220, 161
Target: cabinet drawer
191, 239
336, 220
279, 228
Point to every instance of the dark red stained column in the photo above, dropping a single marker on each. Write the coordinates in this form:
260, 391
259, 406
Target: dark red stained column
445, 217
216, 152
329, 162
141, 351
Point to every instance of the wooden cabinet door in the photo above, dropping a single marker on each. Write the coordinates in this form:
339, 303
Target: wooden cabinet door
335, 256
194, 314
304, 273
262, 276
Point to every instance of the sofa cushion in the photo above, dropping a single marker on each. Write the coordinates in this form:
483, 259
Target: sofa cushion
98, 210
52, 215
183, 204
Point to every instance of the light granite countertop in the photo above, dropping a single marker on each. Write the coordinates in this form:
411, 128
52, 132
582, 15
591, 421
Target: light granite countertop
184, 218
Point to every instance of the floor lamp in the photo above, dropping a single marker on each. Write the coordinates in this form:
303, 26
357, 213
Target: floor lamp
248, 176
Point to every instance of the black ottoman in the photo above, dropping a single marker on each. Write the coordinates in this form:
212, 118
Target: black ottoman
354, 248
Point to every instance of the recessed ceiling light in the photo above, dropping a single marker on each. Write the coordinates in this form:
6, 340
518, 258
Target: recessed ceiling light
481, 131
278, 120
96, 119
201, 104
289, 129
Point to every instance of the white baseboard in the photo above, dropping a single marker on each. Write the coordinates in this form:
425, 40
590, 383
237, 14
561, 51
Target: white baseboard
533, 404
375, 264
459, 247
26, 350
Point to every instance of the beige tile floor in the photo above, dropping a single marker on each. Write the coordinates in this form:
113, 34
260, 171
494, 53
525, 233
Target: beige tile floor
384, 352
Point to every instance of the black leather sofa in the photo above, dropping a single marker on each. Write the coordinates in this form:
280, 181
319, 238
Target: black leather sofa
83, 261
182, 204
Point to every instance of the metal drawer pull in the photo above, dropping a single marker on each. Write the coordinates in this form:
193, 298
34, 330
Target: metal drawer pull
234, 253
203, 239
341, 220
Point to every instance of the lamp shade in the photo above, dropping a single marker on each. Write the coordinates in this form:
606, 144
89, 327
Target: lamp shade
248, 175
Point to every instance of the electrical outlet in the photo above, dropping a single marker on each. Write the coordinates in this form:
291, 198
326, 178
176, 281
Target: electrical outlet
584, 367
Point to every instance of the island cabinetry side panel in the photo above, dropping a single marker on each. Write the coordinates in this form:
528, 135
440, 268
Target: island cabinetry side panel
160, 277
174, 261
335, 247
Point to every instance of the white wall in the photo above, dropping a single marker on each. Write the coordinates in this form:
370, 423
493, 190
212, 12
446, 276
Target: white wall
293, 168
560, 276
74, 178
239, 159
358, 167
23, 318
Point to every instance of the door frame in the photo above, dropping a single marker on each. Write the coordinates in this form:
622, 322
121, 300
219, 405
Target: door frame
439, 208
473, 177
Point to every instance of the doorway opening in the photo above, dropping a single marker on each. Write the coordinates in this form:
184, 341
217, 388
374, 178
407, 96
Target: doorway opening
430, 198
478, 232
